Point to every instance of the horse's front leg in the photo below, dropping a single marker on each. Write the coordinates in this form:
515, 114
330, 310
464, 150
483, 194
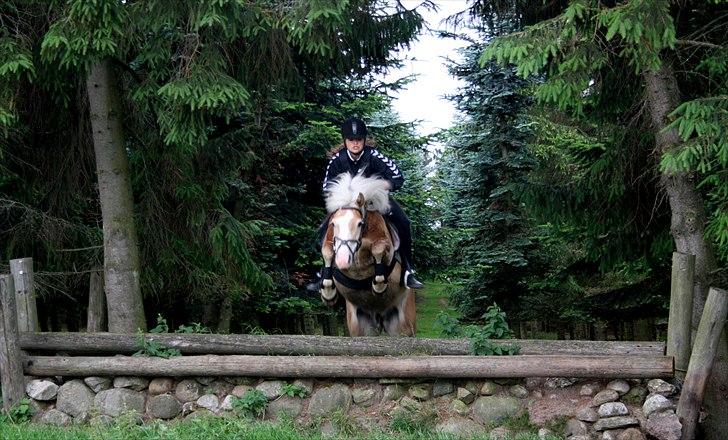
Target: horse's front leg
328, 289
380, 251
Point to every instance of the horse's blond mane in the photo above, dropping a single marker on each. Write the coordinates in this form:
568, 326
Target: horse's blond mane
344, 190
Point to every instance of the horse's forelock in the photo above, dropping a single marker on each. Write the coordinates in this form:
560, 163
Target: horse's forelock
345, 189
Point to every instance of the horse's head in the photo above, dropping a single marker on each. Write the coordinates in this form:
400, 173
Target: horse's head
348, 223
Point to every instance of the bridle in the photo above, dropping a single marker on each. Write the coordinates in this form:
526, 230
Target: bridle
356, 244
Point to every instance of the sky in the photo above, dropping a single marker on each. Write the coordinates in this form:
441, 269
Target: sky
424, 100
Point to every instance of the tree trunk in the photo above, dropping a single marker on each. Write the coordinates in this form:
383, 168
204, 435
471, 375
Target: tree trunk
226, 315
121, 252
688, 231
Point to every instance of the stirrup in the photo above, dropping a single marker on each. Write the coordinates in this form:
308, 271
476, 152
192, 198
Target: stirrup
411, 282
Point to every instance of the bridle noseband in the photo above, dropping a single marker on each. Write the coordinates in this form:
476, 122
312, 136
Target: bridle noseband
338, 242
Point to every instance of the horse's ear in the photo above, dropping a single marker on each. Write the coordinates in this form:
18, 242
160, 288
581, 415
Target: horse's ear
360, 200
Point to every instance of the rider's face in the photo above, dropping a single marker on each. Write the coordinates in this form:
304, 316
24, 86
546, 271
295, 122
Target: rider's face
354, 145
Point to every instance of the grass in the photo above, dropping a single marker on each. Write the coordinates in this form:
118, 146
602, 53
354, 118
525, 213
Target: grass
218, 428
432, 300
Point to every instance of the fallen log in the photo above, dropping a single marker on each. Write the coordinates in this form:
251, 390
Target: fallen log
91, 343
355, 366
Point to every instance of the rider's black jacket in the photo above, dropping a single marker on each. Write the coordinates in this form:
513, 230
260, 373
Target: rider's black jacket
370, 162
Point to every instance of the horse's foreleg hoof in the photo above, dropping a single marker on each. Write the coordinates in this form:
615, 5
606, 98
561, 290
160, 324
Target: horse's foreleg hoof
379, 285
328, 292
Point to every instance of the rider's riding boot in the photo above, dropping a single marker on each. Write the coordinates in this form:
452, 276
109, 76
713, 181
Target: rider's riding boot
315, 285
410, 281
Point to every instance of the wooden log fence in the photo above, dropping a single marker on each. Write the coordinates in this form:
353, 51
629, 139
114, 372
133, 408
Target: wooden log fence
22, 272
681, 311
11, 367
318, 345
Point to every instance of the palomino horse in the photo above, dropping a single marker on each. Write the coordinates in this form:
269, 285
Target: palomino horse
359, 259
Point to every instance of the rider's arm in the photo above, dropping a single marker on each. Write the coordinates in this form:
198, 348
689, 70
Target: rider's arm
386, 168
333, 169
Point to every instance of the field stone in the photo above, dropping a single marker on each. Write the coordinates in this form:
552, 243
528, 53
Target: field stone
163, 406
611, 409
604, 396
659, 386
74, 398
656, 403
188, 390
545, 433
532, 383
161, 385
290, 406
471, 386
116, 401
188, 408
306, 384
631, 434
410, 404
239, 380
559, 382
328, 400
589, 389
636, 395
465, 395
587, 414
227, 403
420, 391
218, 387
663, 426
458, 427
97, 383
518, 391
500, 433
442, 389
271, 388
363, 397
100, 421
575, 427
134, 383
209, 402
41, 389
489, 388
55, 417
494, 409
205, 380
202, 412
619, 385
615, 423
610, 434
240, 390
460, 407
393, 392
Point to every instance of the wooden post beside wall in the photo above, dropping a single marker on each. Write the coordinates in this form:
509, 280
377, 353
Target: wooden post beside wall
681, 311
22, 271
96, 316
701, 361
11, 363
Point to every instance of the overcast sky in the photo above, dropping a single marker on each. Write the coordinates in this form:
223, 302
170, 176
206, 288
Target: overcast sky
423, 100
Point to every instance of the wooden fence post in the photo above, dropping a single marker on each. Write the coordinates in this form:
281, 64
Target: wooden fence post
96, 316
22, 270
681, 311
11, 363
701, 361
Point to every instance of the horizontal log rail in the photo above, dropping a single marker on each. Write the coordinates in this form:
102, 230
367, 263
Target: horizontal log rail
91, 343
356, 367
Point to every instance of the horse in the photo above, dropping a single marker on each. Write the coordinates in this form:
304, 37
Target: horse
359, 259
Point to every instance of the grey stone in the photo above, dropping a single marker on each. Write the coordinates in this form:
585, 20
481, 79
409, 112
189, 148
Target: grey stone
604, 397
205, 380
227, 403
610, 434
518, 391
119, 400
631, 434
460, 407
619, 385
161, 385
459, 427
271, 388
559, 382
74, 398
656, 403
327, 400
493, 409
659, 386
537, 394
489, 388
305, 384
218, 387
209, 402
163, 406
532, 383
290, 406
575, 427
580, 437
410, 404
240, 390
465, 395
663, 426
587, 414
200, 413
589, 389
636, 395
239, 380
56, 418
188, 408
500, 433
611, 409
545, 433
393, 392
41, 389
329, 430
471, 386
615, 423
420, 391
363, 397
442, 389
188, 390
134, 383
101, 421
97, 383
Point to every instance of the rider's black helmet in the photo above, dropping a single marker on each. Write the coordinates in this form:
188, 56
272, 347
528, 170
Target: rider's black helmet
354, 128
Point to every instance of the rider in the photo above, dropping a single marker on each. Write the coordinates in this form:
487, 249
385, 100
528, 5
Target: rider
358, 157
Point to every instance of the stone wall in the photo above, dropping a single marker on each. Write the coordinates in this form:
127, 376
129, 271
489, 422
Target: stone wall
577, 409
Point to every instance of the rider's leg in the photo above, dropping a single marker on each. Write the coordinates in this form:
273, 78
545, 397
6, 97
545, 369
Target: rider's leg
400, 220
